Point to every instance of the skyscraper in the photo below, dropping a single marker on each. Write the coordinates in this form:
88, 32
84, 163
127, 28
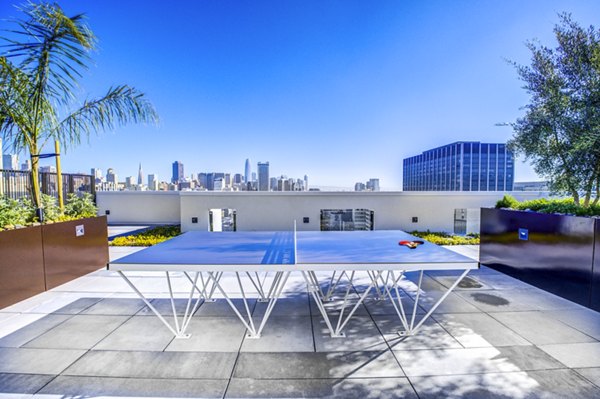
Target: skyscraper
140, 180
461, 166
152, 182
177, 172
263, 176
10, 161
373, 185
111, 176
248, 171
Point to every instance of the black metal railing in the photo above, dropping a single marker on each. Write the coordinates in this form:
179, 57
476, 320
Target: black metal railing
16, 184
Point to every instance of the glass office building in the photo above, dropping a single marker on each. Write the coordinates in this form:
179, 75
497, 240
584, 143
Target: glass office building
461, 166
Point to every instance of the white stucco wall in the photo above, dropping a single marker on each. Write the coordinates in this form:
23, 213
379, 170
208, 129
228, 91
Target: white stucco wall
139, 207
278, 210
392, 210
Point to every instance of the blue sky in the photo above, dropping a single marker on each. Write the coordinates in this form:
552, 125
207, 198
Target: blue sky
339, 90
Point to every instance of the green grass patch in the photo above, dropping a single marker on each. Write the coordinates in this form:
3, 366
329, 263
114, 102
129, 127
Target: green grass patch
148, 237
440, 238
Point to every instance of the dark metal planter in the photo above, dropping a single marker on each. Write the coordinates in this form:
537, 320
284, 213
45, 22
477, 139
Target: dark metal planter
67, 255
38, 258
552, 252
21, 265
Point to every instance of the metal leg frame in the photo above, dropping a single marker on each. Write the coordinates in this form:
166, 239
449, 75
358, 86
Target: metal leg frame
342, 319
333, 283
178, 329
273, 295
410, 327
258, 284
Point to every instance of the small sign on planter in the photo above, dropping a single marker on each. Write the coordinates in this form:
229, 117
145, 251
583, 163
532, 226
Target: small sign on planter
79, 230
523, 234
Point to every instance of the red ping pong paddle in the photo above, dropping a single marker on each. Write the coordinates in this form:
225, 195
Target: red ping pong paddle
411, 244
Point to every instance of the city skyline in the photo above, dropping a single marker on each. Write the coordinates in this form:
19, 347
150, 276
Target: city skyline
341, 91
204, 180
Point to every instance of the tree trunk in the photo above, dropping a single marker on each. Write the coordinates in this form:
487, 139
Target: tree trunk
35, 185
595, 202
575, 197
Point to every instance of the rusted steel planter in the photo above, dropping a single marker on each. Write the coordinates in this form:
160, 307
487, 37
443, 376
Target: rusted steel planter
38, 258
558, 253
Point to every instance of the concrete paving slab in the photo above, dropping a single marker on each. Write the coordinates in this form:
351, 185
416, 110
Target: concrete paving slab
584, 320
94, 284
303, 365
115, 307
33, 330
336, 304
137, 387
220, 308
452, 304
23, 383
380, 388
18, 396
386, 307
418, 363
164, 307
50, 301
430, 335
499, 281
162, 365
591, 374
139, 333
78, 332
211, 334
77, 306
517, 300
296, 305
575, 355
16, 321
543, 384
497, 301
468, 283
282, 334
540, 328
37, 361
475, 330
361, 335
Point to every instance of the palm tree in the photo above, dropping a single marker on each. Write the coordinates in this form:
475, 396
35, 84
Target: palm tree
40, 64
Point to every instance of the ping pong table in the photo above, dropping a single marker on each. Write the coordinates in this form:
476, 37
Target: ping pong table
203, 258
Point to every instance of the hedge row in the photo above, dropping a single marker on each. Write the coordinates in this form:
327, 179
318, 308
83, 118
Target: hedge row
148, 237
543, 205
440, 238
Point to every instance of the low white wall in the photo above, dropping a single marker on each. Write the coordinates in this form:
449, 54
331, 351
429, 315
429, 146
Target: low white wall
278, 210
392, 210
139, 207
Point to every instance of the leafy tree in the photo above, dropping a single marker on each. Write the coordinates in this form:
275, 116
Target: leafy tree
560, 132
40, 64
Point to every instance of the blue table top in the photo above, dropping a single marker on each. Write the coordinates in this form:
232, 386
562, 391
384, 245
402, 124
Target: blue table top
277, 248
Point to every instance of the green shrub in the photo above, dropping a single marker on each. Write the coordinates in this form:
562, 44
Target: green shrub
148, 237
441, 238
22, 213
543, 205
15, 212
51, 210
80, 207
508, 201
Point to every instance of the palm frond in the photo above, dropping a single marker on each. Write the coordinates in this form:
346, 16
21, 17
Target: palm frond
51, 47
119, 106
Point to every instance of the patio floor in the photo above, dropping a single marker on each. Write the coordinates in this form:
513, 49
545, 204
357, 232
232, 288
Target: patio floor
494, 337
